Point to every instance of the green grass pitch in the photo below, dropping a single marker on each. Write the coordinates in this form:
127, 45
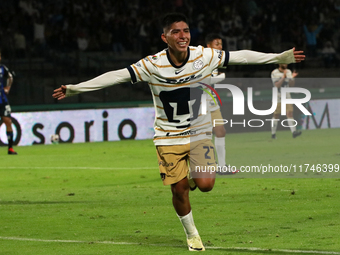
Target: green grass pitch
107, 198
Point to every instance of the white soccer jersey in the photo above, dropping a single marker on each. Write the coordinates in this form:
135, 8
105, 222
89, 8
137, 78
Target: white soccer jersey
177, 93
276, 76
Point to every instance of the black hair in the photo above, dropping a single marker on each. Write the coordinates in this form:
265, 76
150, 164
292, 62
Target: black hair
210, 37
171, 18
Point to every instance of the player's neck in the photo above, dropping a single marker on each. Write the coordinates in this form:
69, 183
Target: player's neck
178, 58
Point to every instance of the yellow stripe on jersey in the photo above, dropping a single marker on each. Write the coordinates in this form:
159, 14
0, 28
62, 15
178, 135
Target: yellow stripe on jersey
179, 130
172, 137
162, 119
181, 136
136, 70
212, 57
145, 66
170, 66
170, 85
201, 56
159, 66
182, 130
159, 107
189, 74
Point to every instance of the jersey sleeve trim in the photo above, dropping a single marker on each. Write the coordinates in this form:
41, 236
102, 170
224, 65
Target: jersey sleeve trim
226, 60
132, 74
219, 62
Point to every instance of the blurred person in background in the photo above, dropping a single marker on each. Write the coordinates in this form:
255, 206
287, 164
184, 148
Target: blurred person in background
6, 81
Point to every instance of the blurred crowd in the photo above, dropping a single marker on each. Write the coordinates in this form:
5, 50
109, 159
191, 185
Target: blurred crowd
37, 26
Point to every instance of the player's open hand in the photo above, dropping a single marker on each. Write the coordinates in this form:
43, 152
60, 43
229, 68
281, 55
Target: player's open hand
60, 93
298, 55
294, 74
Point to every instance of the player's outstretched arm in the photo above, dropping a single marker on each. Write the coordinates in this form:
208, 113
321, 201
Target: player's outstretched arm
100, 82
249, 57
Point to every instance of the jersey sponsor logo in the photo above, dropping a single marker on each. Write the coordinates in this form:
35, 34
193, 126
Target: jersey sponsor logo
183, 80
177, 72
162, 163
198, 64
219, 52
189, 132
154, 57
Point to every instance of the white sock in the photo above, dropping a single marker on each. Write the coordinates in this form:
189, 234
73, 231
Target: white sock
220, 149
274, 126
291, 123
188, 225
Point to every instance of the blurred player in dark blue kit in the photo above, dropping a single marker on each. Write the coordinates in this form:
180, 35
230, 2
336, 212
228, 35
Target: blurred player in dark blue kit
6, 80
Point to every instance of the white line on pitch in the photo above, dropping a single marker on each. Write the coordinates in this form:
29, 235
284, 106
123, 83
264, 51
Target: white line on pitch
160, 245
274, 250
81, 168
61, 241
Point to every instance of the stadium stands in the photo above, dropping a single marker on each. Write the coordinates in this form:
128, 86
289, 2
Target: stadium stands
48, 43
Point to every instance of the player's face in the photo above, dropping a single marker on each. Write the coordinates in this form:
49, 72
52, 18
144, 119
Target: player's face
177, 37
216, 44
283, 66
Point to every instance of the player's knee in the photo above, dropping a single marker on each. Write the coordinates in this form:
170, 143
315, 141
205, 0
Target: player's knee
7, 121
206, 186
179, 191
219, 131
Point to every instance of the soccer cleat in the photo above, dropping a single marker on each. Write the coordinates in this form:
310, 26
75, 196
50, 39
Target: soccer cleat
11, 152
273, 136
191, 182
195, 244
296, 133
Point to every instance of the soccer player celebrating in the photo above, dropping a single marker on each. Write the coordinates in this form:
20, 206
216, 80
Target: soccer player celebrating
182, 133
6, 80
283, 77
